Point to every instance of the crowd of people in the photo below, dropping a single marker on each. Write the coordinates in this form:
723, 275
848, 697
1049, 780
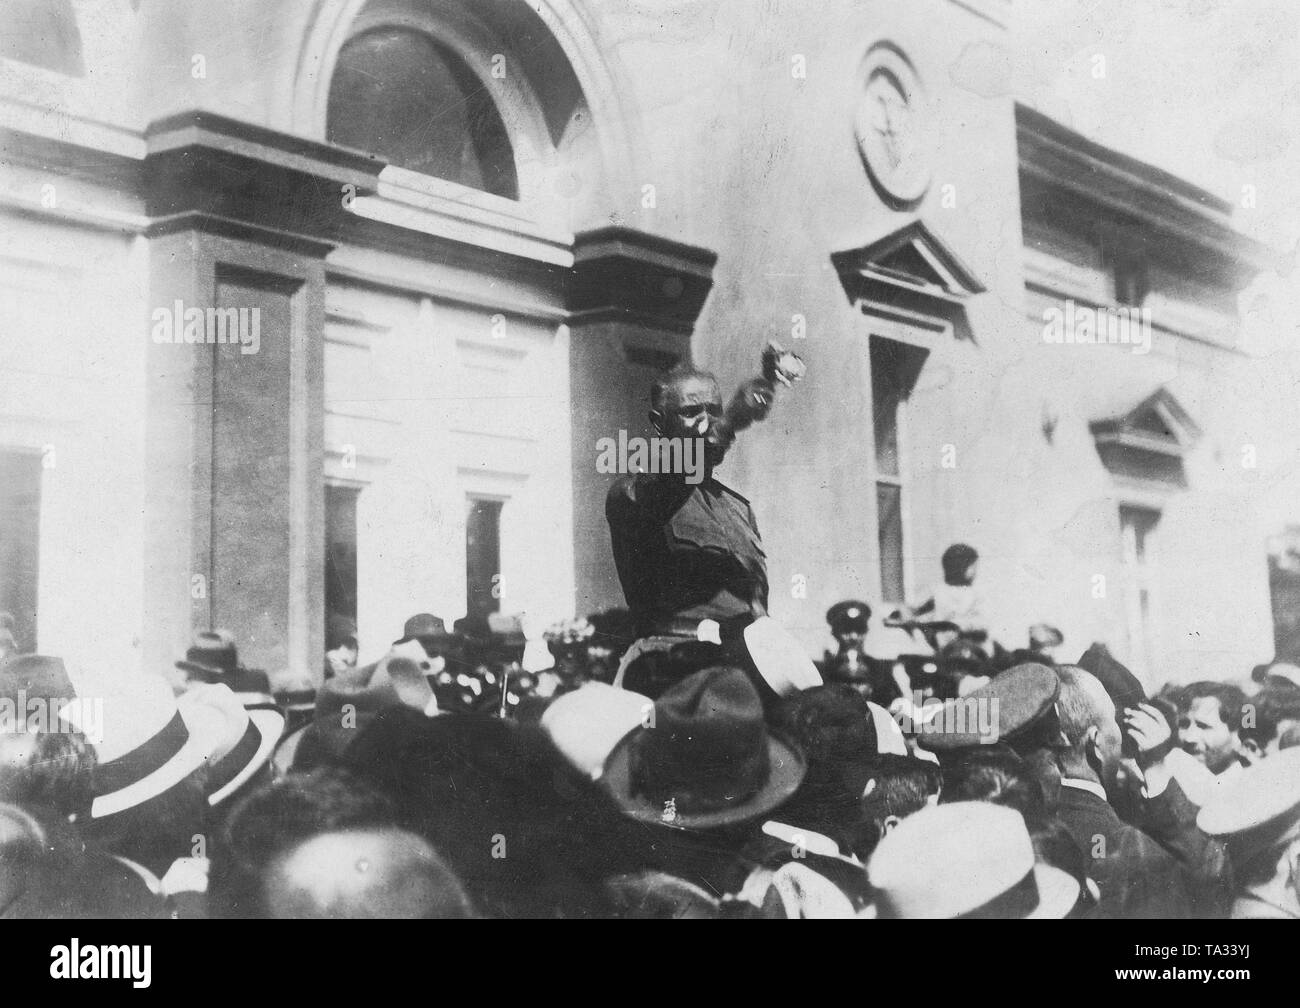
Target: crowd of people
445, 780
681, 758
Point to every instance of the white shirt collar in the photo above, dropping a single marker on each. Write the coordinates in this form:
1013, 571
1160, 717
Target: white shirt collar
816, 843
1092, 787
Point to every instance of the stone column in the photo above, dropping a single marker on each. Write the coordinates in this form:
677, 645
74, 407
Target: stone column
633, 301
241, 223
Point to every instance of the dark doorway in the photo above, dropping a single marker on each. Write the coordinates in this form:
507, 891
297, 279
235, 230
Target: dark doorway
20, 523
483, 557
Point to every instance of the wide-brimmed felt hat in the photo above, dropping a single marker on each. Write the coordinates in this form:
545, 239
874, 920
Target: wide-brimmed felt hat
1023, 697
212, 653
971, 860
36, 676
145, 747
347, 703
247, 737
706, 760
213, 658
400, 678
426, 628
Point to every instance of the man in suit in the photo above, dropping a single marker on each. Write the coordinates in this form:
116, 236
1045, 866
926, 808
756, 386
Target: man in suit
1136, 876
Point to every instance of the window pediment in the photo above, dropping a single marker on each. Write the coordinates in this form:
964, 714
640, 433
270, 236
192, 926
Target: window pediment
1156, 424
912, 261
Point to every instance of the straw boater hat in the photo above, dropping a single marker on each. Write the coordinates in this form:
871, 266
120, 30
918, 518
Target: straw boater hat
779, 658
970, 860
1260, 797
146, 746
586, 724
247, 737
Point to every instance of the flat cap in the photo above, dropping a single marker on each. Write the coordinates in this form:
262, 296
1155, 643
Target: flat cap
1015, 700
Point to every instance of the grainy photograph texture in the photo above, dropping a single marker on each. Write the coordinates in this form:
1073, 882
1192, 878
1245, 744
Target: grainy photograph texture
649, 459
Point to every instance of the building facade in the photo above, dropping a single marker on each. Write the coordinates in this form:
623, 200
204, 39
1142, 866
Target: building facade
323, 305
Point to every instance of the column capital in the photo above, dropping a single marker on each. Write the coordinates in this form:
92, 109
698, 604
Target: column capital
622, 274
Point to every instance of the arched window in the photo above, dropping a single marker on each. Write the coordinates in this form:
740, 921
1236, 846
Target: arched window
400, 95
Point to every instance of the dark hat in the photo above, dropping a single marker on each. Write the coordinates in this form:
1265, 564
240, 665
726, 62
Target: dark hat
37, 676
841, 735
212, 658
424, 627
1025, 695
340, 630
706, 759
834, 720
1121, 685
614, 629
963, 657
212, 654
850, 615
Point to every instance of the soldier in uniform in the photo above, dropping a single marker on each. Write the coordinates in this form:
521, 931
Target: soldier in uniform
848, 663
689, 554
848, 622
881, 680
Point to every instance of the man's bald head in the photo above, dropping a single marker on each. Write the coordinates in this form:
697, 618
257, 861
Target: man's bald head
1087, 717
1082, 703
370, 873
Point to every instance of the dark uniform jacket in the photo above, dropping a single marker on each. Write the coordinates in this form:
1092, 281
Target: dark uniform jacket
685, 552
1137, 877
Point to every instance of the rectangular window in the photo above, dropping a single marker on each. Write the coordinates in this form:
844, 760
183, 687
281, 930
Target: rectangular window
340, 552
20, 521
1138, 527
894, 367
483, 556
1129, 279
889, 529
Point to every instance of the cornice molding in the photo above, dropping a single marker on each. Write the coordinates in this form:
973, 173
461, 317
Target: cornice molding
1169, 206
624, 275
